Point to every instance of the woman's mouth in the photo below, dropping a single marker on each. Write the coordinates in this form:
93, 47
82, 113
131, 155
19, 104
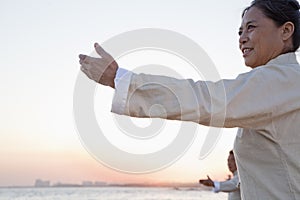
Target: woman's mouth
246, 51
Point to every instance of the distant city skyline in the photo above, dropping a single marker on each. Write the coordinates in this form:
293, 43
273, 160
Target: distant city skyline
87, 183
47, 183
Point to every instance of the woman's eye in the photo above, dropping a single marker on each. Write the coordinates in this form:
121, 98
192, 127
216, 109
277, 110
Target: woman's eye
251, 27
248, 28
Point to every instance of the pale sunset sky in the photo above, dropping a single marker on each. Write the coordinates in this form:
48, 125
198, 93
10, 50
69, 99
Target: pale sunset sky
40, 42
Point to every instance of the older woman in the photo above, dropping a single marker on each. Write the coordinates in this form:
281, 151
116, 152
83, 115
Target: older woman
264, 103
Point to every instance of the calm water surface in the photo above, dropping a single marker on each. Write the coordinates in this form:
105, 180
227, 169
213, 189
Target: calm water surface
108, 193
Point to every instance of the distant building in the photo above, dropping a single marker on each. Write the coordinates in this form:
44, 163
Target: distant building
59, 184
100, 183
41, 183
87, 183
93, 184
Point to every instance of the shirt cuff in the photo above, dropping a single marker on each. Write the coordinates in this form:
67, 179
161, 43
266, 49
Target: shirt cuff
216, 187
119, 74
122, 82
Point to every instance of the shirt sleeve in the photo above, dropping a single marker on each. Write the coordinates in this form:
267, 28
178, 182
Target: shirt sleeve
216, 188
248, 101
121, 74
230, 185
122, 81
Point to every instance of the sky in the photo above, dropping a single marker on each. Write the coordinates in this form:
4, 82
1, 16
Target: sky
40, 42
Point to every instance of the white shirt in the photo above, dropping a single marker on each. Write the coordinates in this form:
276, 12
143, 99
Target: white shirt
231, 186
264, 103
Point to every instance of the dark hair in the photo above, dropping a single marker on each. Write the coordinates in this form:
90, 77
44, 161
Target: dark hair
281, 11
231, 152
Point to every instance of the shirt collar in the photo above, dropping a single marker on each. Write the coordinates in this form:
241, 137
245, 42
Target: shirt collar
283, 59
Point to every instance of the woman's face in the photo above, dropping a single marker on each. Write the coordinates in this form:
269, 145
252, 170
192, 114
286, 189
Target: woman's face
260, 39
231, 163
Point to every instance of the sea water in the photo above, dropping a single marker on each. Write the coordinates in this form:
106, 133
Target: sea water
108, 193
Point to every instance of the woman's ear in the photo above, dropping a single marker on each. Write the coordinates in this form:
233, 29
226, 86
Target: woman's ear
288, 29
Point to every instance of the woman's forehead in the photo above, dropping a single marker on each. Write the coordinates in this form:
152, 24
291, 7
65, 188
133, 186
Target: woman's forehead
252, 15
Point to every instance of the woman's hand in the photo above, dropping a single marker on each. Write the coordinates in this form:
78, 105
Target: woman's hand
102, 70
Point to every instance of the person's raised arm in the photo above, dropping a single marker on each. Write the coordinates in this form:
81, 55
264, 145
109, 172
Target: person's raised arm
102, 70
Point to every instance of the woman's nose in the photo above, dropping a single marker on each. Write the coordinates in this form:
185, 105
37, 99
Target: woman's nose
243, 38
